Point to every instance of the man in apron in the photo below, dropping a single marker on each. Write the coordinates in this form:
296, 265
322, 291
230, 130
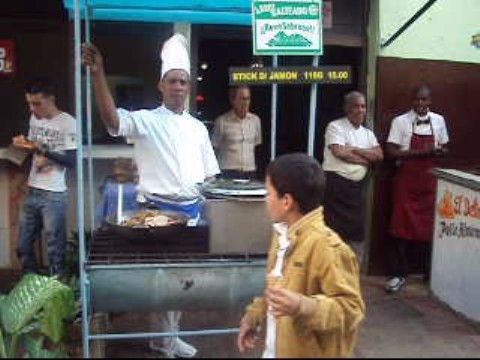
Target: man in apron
415, 140
172, 151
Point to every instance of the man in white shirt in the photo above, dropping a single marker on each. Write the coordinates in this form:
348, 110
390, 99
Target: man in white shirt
350, 149
236, 135
51, 139
415, 140
172, 150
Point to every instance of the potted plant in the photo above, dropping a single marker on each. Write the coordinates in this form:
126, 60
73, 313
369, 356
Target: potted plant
33, 318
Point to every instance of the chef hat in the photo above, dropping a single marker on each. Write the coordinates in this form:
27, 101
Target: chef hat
174, 54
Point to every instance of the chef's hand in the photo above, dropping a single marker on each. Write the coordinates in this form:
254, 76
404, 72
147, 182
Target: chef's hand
282, 302
92, 57
248, 336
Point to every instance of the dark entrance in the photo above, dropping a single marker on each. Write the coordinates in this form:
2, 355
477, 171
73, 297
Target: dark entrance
221, 47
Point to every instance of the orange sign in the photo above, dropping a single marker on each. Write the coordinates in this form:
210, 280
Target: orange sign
451, 206
7, 58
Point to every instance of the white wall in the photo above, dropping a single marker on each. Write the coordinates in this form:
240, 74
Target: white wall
455, 261
443, 32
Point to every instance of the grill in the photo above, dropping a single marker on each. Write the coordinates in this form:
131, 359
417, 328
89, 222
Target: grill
172, 274
108, 248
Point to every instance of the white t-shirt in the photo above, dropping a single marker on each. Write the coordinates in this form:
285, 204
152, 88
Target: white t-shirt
277, 270
401, 129
57, 134
342, 132
173, 152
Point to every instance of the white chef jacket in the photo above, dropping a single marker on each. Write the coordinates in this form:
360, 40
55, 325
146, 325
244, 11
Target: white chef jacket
172, 151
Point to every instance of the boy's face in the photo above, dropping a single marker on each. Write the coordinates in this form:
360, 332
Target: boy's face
277, 205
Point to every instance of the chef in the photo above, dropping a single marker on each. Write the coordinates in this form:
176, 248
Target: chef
172, 150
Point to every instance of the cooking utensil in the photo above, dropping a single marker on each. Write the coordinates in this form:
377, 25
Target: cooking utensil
144, 232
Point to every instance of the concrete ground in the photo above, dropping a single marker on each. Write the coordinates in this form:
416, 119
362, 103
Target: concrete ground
410, 324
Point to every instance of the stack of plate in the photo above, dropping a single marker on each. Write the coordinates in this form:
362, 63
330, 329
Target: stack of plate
233, 188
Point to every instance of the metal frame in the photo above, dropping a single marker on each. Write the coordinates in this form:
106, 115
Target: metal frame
84, 268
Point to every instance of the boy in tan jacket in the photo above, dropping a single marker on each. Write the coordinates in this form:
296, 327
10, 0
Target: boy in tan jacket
312, 306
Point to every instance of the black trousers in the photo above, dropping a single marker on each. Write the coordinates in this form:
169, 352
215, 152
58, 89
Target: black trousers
408, 257
344, 207
238, 174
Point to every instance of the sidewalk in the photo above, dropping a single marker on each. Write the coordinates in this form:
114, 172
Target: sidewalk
410, 324
413, 324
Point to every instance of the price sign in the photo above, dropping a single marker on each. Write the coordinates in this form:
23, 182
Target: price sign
291, 75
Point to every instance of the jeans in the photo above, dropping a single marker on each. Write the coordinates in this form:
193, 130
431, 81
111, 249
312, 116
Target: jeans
45, 210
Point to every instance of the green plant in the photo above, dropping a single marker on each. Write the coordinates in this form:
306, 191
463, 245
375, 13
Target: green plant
33, 318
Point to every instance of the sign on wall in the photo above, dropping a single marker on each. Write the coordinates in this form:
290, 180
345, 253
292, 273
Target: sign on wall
328, 74
458, 212
284, 27
7, 58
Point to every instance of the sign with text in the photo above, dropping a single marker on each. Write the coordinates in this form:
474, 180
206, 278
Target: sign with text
7, 58
284, 27
458, 212
291, 75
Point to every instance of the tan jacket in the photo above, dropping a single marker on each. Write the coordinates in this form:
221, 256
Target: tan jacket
321, 266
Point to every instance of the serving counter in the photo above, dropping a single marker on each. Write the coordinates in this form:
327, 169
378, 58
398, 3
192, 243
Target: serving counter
456, 244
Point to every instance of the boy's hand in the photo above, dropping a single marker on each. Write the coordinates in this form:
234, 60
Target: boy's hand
282, 302
248, 337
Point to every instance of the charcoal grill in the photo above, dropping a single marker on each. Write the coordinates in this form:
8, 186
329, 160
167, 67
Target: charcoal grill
170, 275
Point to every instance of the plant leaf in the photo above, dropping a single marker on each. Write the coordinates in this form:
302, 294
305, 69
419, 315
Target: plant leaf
3, 349
30, 295
55, 311
34, 348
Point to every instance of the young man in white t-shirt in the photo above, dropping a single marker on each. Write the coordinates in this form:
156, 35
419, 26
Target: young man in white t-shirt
51, 140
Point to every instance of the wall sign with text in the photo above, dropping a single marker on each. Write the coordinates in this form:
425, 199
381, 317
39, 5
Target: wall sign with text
7, 58
290, 75
282, 27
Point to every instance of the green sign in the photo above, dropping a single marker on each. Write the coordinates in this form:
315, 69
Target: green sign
291, 75
284, 27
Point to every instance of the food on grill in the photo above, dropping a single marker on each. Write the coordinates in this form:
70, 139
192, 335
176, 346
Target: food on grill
150, 218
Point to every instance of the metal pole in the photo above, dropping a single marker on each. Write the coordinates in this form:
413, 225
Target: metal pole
80, 194
147, 335
88, 99
313, 106
274, 113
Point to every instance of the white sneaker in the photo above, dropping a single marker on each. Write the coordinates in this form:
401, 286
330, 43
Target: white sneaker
175, 347
394, 284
